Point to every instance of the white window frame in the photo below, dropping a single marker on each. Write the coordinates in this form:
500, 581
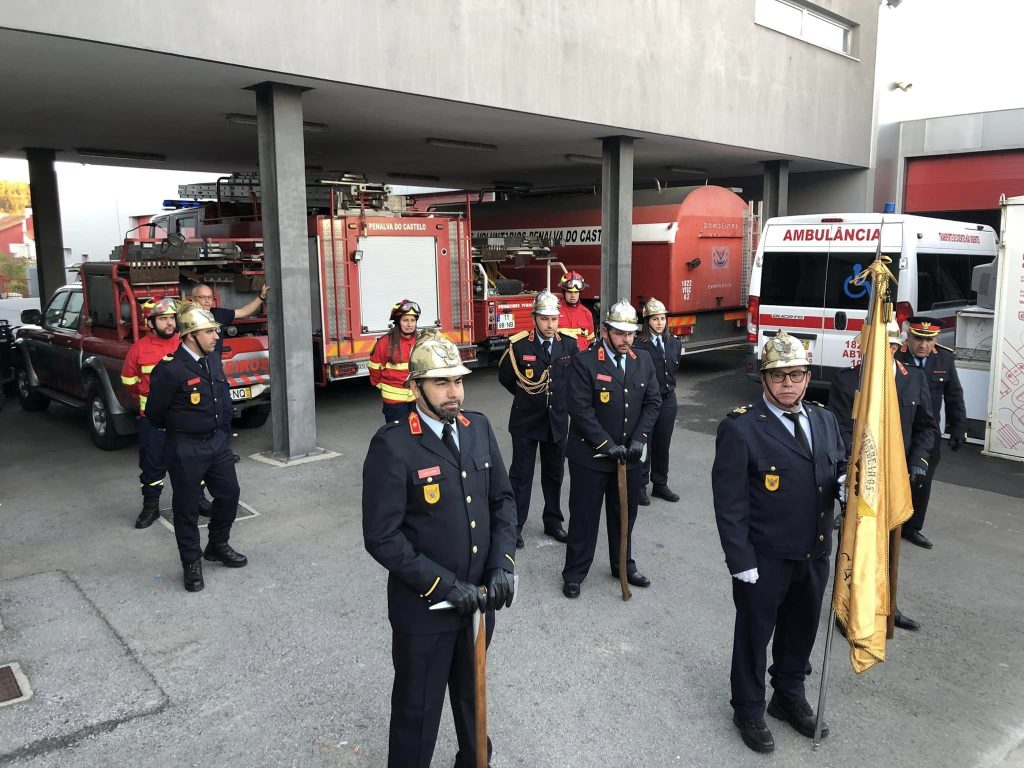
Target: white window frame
763, 17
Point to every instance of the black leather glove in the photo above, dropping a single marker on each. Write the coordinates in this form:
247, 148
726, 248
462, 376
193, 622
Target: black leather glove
617, 452
955, 441
917, 477
636, 450
466, 598
500, 589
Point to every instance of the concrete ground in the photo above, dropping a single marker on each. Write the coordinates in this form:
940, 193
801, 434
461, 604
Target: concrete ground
287, 662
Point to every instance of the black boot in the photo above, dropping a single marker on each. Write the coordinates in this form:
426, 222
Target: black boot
150, 512
223, 553
193, 576
664, 492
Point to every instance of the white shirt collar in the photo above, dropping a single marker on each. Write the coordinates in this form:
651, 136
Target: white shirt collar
779, 412
188, 349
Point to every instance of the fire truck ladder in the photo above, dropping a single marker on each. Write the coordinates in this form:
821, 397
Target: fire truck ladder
350, 191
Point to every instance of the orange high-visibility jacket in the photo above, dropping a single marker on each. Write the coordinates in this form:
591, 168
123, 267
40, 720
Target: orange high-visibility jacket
576, 320
389, 378
142, 357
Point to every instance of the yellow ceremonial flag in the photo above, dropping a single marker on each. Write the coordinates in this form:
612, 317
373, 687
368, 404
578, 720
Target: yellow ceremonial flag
878, 488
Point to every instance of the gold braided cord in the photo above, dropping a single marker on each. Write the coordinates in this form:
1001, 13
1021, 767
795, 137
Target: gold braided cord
529, 386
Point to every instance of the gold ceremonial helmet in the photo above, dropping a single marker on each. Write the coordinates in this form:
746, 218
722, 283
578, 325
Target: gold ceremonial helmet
783, 351
622, 317
654, 307
546, 303
192, 318
434, 357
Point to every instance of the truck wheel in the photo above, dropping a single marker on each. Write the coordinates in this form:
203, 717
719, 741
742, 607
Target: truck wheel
101, 422
28, 397
252, 418
508, 287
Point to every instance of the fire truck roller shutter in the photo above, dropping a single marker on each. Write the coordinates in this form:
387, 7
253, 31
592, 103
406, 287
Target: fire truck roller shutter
397, 266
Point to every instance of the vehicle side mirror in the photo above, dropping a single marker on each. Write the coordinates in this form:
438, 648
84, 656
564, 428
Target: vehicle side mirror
31, 317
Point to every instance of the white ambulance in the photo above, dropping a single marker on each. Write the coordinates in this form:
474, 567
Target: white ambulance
801, 279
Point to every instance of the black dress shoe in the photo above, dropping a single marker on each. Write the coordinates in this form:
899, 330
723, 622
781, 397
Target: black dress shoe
916, 537
664, 492
905, 622
519, 541
223, 553
193, 576
150, 512
635, 578
797, 712
571, 589
558, 534
645, 500
755, 734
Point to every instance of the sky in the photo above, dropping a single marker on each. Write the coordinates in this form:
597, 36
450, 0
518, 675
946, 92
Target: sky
960, 56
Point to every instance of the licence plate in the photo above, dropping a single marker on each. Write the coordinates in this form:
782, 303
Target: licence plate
241, 393
506, 322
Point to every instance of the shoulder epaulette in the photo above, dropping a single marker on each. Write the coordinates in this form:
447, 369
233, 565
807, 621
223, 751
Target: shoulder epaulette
948, 349
518, 337
735, 413
815, 402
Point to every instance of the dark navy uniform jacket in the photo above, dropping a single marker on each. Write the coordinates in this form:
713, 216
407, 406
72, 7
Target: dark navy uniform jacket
430, 520
666, 364
916, 421
185, 398
772, 499
944, 385
608, 407
543, 416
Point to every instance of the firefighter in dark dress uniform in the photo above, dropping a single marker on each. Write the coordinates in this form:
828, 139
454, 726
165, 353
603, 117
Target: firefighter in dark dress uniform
189, 398
775, 478
535, 369
439, 515
665, 350
916, 423
937, 364
613, 402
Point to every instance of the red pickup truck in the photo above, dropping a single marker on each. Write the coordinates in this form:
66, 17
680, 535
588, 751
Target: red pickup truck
73, 350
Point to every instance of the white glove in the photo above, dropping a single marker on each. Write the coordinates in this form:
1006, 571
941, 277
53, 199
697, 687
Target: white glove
842, 488
748, 576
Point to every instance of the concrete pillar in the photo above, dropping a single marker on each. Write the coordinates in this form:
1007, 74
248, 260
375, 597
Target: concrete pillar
283, 193
776, 188
42, 179
616, 220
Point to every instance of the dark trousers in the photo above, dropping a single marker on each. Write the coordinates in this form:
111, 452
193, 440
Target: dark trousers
152, 458
785, 600
396, 411
552, 469
424, 666
587, 489
920, 496
656, 464
191, 461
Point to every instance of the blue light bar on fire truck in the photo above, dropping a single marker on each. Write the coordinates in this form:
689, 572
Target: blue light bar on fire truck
183, 203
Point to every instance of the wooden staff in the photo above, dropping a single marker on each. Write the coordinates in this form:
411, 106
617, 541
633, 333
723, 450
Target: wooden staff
480, 684
623, 534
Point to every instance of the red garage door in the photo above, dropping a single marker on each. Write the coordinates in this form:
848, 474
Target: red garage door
963, 182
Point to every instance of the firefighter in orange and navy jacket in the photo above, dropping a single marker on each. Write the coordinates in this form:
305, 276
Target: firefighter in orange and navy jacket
439, 515
389, 361
575, 319
142, 357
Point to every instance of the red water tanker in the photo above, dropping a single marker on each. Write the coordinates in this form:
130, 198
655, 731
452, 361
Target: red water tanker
691, 250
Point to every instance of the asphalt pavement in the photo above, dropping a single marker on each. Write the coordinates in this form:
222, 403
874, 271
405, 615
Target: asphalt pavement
287, 662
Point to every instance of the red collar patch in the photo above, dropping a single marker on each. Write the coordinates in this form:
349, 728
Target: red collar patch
415, 427
600, 353
530, 337
632, 354
463, 420
900, 366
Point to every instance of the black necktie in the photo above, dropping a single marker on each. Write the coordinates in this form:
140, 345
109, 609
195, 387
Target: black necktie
618, 363
205, 365
547, 349
798, 430
657, 343
449, 442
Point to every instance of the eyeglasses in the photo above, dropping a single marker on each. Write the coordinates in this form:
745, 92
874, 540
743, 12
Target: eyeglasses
405, 308
780, 376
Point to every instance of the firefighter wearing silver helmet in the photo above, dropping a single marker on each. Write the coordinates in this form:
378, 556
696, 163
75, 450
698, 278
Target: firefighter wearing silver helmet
439, 515
775, 479
613, 404
189, 398
535, 369
665, 350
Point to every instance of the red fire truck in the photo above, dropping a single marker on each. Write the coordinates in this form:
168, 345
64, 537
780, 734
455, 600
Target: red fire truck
692, 250
366, 251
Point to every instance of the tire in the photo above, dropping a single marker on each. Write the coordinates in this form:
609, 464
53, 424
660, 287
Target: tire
101, 423
29, 398
508, 287
253, 418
